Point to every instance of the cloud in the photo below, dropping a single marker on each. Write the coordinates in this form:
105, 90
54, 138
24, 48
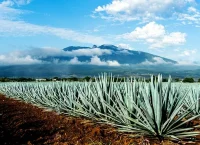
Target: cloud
7, 10
34, 56
187, 53
75, 61
155, 35
192, 16
89, 52
7, 3
11, 25
48, 51
157, 61
125, 46
95, 60
21, 28
185, 56
187, 63
16, 59
113, 63
22, 2
129, 10
10, 3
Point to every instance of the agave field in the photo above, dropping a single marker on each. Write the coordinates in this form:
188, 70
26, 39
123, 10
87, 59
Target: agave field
151, 109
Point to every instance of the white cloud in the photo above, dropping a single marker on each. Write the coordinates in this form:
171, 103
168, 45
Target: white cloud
123, 51
188, 53
89, 52
174, 38
125, 46
33, 55
6, 3
7, 12
156, 61
21, 28
192, 16
75, 61
113, 63
10, 3
95, 60
128, 10
22, 2
11, 26
185, 56
48, 51
13, 59
188, 63
155, 35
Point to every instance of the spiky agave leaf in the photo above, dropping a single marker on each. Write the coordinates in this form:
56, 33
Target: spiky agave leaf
159, 117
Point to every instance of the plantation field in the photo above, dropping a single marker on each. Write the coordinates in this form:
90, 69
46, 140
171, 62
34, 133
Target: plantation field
22, 123
154, 110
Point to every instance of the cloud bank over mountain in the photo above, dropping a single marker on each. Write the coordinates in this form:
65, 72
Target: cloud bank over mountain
103, 55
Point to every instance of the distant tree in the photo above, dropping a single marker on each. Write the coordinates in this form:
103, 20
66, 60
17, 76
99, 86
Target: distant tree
177, 80
16, 79
48, 79
155, 78
73, 79
94, 46
188, 80
118, 79
21, 79
198, 80
147, 80
93, 79
4, 79
165, 80
57, 78
87, 78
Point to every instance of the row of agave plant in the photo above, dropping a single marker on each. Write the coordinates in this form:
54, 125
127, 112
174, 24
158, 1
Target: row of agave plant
150, 109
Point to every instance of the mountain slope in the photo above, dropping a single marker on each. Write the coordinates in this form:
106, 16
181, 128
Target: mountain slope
107, 53
90, 61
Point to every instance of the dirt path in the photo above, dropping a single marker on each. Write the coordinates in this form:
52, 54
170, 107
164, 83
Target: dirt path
22, 123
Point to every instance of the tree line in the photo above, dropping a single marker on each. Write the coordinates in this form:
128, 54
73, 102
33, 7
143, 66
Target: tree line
87, 78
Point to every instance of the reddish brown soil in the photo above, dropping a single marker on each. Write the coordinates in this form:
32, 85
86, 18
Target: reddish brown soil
22, 123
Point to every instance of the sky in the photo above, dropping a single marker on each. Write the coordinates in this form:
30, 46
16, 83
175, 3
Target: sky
168, 28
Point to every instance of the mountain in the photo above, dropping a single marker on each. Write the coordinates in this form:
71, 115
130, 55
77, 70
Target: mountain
91, 61
109, 53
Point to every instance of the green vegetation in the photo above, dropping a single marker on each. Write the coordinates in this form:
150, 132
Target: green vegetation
165, 80
16, 79
153, 109
188, 80
88, 78
177, 80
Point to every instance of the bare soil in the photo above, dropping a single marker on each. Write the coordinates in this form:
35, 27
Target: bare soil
25, 124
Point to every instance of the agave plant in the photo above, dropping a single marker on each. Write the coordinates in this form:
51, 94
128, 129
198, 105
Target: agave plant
149, 109
194, 98
158, 112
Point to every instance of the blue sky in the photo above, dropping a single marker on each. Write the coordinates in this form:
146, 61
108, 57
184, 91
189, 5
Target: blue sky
168, 28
